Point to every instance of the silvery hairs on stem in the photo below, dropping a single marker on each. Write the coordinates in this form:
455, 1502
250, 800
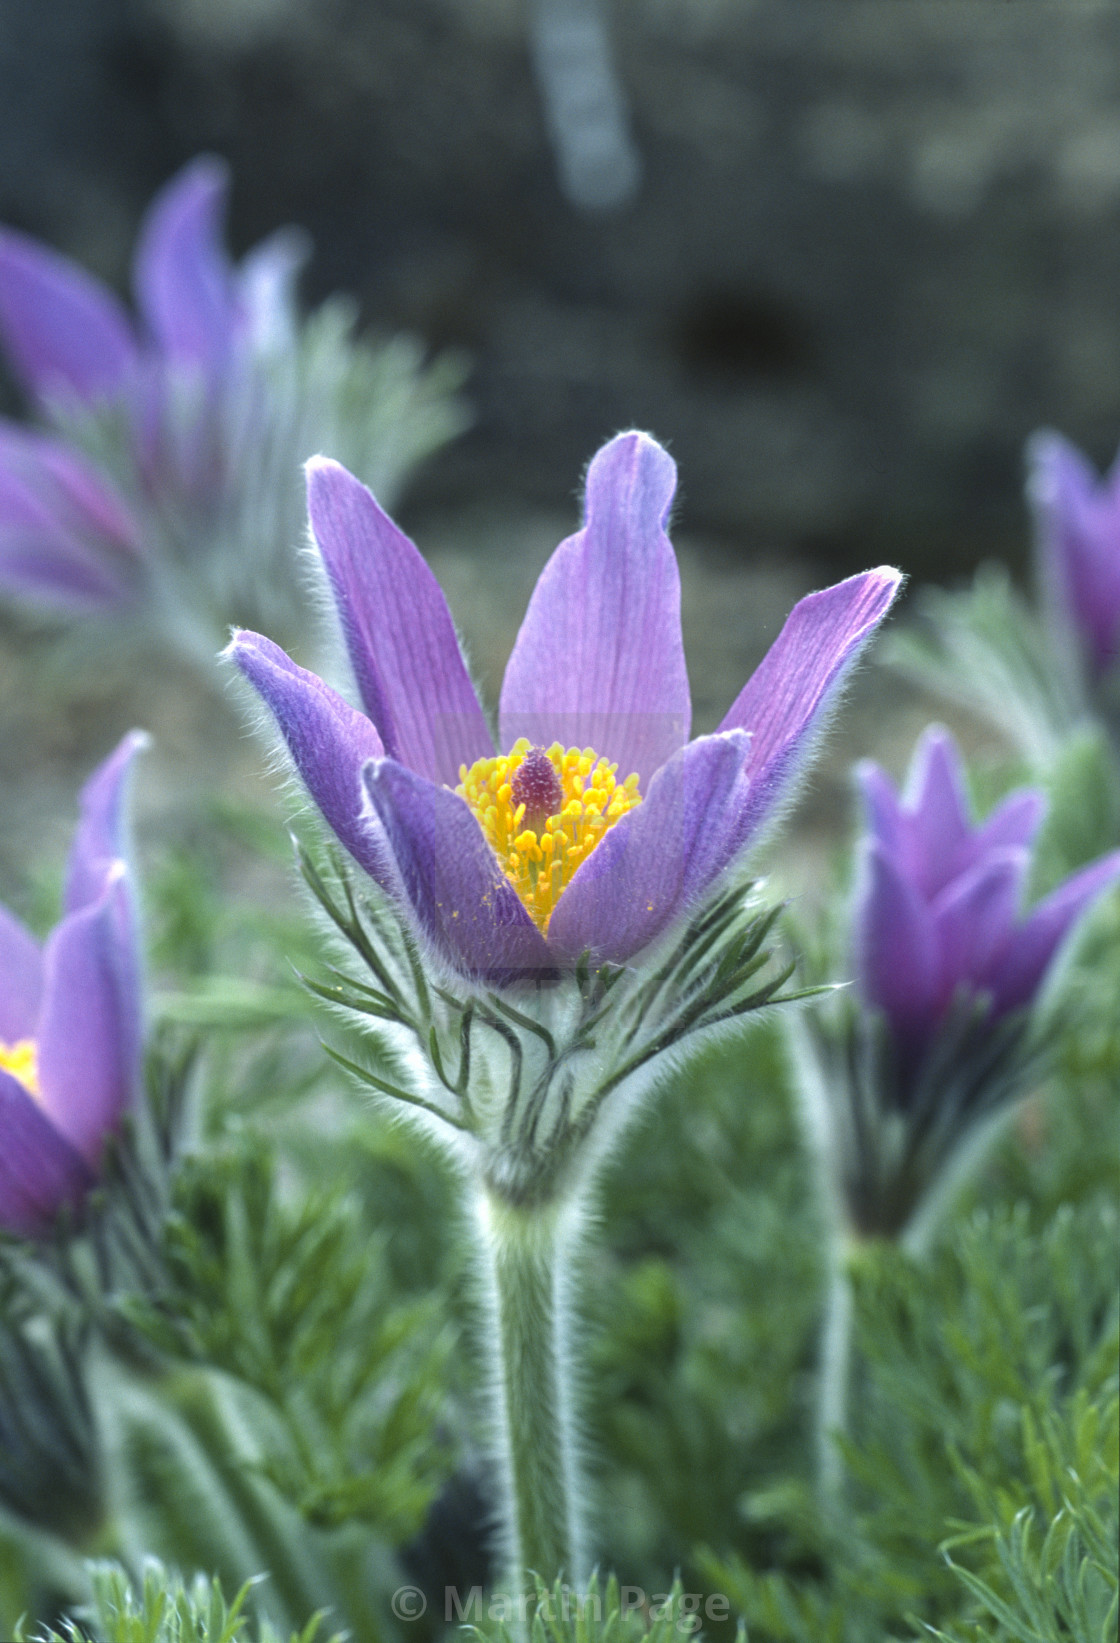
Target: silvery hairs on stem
893, 1146
525, 1080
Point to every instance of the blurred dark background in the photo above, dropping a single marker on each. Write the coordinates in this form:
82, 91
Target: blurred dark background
875, 242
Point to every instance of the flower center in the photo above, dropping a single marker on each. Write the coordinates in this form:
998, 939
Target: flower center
544, 810
21, 1059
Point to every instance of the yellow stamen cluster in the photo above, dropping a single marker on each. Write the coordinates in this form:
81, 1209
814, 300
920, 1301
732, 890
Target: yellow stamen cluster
21, 1059
541, 860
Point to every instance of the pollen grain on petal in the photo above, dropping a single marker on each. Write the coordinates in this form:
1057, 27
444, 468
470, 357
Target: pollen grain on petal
544, 810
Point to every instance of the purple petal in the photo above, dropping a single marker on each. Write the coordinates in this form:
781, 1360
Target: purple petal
329, 743
1078, 525
80, 493
266, 280
935, 804
39, 1169
101, 839
599, 660
41, 565
451, 879
784, 703
64, 331
90, 1034
51, 546
975, 917
398, 629
182, 276
1014, 822
21, 979
895, 949
66, 538
882, 808
655, 863
1020, 970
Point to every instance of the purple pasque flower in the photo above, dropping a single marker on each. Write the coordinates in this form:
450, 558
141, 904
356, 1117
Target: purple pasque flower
75, 348
597, 823
167, 485
939, 918
1077, 518
158, 400
70, 1016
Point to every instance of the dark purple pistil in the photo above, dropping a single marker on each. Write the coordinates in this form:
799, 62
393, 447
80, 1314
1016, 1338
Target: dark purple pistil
537, 786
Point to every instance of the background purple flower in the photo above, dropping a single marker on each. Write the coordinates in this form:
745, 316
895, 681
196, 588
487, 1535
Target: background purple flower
598, 665
1077, 517
70, 1016
74, 345
939, 905
170, 483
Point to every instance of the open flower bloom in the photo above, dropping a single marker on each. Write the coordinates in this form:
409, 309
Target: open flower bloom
1078, 527
597, 823
939, 908
167, 483
70, 1027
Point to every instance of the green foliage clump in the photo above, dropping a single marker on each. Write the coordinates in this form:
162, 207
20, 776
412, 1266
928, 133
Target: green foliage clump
294, 1300
271, 1382
704, 1309
705, 1340
164, 1609
1049, 1572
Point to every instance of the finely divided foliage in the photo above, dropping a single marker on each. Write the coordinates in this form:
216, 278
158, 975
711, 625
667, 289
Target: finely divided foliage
531, 1088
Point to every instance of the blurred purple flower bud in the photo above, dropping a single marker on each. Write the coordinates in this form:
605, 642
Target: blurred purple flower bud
939, 905
938, 1037
1077, 521
938, 912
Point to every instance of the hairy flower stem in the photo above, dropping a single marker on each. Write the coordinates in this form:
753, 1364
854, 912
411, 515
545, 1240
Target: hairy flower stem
528, 1254
834, 1377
